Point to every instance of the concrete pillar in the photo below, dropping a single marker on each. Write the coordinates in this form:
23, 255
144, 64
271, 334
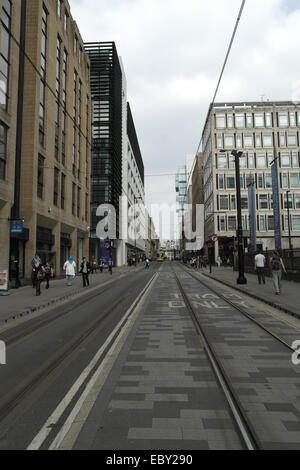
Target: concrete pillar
30, 247
56, 247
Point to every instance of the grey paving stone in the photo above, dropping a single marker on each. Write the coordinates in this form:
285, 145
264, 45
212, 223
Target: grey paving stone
129, 396
281, 407
218, 423
293, 426
161, 434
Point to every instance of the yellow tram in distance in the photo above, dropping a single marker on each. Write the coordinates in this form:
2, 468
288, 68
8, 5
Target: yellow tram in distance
160, 258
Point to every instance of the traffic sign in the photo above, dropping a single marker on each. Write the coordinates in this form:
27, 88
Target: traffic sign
214, 238
16, 226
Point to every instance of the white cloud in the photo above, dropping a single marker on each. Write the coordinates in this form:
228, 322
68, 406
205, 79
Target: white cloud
173, 51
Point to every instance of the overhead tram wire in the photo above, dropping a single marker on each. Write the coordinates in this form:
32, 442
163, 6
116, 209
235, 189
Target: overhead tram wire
217, 88
223, 70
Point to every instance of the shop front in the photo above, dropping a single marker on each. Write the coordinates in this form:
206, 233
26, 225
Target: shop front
44, 246
17, 256
65, 249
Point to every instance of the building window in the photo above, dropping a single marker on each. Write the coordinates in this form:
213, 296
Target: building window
270, 222
230, 181
222, 161
3, 150
294, 180
222, 224
55, 191
283, 120
4, 52
221, 184
75, 45
66, 19
244, 202
284, 181
232, 226
249, 120
259, 120
297, 201
262, 223
251, 161
220, 121
230, 123
260, 180
260, 161
292, 139
268, 140
258, 140
268, 180
78, 201
239, 142
62, 191
43, 77
219, 141
269, 120
73, 198
239, 121
40, 181
285, 160
224, 203
86, 207
296, 222
293, 119
263, 201
229, 141
287, 201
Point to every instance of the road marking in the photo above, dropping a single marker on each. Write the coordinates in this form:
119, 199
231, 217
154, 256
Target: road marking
58, 412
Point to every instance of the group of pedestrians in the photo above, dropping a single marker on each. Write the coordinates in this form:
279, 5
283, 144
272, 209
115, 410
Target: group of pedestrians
44, 272
276, 266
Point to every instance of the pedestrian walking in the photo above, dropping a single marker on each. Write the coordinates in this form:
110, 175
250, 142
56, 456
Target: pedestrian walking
70, 267
101, 265
33, 262
259, 266
276, 266
219, 261
110, 266
147, 264
93, 265
48, 271
38, 274
85, 270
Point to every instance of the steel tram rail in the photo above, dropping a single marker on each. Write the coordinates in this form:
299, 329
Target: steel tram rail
242, 311
245, 429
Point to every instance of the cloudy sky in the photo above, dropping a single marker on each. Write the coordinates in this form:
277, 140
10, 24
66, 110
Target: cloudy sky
173, 51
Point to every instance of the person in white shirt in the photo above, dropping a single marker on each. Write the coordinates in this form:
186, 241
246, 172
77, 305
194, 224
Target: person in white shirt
70, 267
259, 266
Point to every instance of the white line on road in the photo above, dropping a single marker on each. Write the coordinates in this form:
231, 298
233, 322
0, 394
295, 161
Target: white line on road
58, 412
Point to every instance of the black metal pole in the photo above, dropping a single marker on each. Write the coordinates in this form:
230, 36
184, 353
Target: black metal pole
241, 279
289, 226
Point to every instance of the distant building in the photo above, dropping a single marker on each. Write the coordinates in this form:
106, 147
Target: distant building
253, 128
117, 164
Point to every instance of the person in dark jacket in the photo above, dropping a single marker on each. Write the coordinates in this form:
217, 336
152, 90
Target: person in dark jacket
38, 273
85, 270
47, 274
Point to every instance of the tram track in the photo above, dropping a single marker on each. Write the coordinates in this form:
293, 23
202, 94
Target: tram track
245, 430
242, 311
27, 385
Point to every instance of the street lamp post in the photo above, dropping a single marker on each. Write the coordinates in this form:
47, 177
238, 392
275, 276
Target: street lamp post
289, 228
241, 260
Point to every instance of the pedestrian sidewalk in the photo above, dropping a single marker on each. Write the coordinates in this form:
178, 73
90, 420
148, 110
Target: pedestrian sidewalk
288, 301
23, 301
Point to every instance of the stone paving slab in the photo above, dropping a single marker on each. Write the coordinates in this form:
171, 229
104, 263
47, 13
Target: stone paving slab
164, 398
288, 301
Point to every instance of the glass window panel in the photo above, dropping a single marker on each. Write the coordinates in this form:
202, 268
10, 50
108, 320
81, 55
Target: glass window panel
283, 119
295, 159
244, 202
267, 140
219, 139
270, 222
260, 161
296, 222
230, 181
269, 120
224, 203
258, 141
285, 160
294, 180
231, 162
268, 180
284, 180
232, 225
263, 201
292, 139
222, 161
251, 161
222, 224
229, 141
243, 161
230, 121
297, 201
220, 121
259, 120
249, 120
282, 139
221, 183
239, 121
248, 140
233, 202
262, 223
292, 119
